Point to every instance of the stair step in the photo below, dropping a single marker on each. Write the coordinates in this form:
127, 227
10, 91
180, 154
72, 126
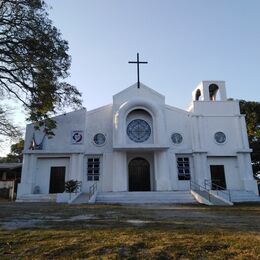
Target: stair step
81, 199
145, 197
37, 198
244, 196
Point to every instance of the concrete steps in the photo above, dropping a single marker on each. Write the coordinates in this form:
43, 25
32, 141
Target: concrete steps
81, 199
37, 198
156, 197
220, 198
244, 196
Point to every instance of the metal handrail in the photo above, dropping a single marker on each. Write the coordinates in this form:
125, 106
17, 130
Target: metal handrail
92, 189
78, 190
218, 189
196, 187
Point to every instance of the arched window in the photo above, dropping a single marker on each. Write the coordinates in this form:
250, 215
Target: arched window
213, 90
198, 94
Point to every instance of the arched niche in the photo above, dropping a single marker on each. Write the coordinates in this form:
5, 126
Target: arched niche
139, 120
154, 110
198, 95
213, 92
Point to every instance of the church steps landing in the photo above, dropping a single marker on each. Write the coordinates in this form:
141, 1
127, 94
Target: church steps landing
37, 198
244, 196
177, 197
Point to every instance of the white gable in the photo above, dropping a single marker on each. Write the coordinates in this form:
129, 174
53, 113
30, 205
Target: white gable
133, 92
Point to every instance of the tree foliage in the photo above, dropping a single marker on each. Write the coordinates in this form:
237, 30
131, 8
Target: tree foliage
16, 154
252, 111
7, 128
34, 62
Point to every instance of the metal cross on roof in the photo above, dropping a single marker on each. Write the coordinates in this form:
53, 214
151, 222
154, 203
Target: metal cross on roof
138, 62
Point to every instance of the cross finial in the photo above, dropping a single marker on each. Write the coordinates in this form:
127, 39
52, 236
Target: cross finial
138, 62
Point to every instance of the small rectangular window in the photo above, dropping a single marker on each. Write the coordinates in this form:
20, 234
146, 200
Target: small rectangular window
183, 165
93, 169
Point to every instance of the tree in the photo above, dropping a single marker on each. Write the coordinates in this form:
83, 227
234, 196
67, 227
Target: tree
252, 111
34, 62
7, 128
16, 154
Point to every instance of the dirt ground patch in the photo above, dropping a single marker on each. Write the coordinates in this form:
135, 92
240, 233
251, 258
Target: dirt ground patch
49, 230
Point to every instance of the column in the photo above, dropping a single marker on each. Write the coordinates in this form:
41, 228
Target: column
246, 173
197, 167
72, 168
28, 175
80, 167
162, 172
244, 132
120, 172
201, 174
195, 132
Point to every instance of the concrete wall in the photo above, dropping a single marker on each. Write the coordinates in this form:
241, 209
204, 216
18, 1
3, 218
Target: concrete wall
62, 141
232, 174
178, 121
43, 169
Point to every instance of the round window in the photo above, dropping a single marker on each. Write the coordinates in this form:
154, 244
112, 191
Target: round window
99, 139
176, 138
220, 137
138, 130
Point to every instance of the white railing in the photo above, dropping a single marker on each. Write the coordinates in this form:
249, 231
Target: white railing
92, 189
202, 191
220, 190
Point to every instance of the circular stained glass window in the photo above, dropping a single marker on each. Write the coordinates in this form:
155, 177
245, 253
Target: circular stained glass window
138, 130
176, 138
99, 139
220, 137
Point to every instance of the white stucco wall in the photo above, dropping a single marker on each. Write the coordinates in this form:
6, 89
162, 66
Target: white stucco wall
232, 175
62, 141
178, 121
43, 169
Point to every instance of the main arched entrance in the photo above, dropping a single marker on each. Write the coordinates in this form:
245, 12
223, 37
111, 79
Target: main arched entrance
139, 175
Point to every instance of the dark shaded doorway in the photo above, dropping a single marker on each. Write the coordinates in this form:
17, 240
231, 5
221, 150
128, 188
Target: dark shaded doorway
139, 175
57, 179
218, 177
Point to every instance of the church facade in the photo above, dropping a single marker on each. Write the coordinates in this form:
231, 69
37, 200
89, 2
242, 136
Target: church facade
139, 143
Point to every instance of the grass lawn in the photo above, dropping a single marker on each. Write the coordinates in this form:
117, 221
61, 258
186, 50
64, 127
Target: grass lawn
47, 231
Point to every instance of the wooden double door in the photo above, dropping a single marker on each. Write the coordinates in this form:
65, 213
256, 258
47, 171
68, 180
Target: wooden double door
139, 175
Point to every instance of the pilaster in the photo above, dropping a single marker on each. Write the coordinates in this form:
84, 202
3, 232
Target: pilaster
120, 179
162, 172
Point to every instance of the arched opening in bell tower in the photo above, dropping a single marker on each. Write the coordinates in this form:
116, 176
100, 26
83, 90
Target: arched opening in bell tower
213, 92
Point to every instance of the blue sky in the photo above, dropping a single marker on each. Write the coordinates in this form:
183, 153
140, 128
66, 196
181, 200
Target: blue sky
184, 42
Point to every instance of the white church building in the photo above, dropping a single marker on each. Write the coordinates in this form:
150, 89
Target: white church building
140, 148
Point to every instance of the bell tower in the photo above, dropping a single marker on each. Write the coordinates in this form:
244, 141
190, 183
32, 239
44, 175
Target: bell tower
210, 91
